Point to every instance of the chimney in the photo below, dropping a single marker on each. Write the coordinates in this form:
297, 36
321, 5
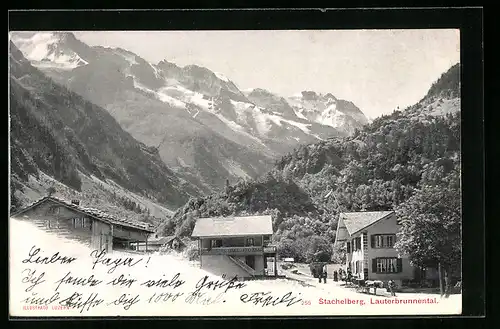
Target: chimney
75, 202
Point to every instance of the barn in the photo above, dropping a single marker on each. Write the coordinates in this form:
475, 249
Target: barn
89, 226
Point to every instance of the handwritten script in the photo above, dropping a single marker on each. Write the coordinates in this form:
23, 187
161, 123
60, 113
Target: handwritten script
103, 281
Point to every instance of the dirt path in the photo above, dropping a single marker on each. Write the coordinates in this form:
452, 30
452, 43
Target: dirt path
333, 287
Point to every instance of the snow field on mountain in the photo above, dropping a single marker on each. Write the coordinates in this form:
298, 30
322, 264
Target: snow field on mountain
331, 117
221, 76
128, 57
170, 100
302, 126
38, 48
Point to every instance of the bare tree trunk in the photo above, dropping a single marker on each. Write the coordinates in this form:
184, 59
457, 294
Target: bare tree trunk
447, 280
440, 272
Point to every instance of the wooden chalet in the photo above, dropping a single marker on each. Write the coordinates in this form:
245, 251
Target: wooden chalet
237, 246
89, 226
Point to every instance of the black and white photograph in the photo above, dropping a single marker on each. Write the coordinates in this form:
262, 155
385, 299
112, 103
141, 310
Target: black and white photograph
235, 172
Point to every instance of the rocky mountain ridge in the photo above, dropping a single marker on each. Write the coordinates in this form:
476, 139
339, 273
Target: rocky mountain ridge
198, 121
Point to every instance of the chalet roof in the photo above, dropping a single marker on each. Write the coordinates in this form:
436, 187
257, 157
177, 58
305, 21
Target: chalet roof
92, 212
163, 240
233, 226
356, 221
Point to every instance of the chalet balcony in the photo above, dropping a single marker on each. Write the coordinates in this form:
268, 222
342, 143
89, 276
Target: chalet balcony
238, 251
269, 249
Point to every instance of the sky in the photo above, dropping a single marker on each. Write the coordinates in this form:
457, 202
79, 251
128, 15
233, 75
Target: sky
378, 70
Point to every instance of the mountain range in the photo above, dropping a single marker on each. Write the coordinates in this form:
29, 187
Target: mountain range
141, 139
198, 122
378, 168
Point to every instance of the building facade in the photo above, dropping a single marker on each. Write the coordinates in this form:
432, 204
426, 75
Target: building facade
236, 246
370, 238
88, 226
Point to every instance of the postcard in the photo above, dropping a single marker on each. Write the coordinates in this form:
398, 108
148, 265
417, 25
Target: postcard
228, 173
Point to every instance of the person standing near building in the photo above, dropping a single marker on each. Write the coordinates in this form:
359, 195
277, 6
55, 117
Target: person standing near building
349, 275
392, 287
320, 272
325, 273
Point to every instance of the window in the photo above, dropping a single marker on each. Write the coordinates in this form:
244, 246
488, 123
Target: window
250, 242
267, 240
356, 244
390, 241
53, 210
383, 240
216, 243
78, 222
87, 223
387, 265
357, 266
53, 223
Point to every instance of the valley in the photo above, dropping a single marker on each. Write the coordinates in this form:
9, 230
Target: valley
177, 143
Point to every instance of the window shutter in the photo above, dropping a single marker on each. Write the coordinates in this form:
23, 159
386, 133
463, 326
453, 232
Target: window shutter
372, 241
348, 247
399, 265
374, 265
359, 243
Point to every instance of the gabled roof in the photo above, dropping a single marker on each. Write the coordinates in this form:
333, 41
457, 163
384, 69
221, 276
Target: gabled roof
233, 226
92, 212
356, 221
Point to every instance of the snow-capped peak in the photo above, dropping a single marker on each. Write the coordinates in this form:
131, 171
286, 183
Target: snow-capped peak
221, 76
47, 49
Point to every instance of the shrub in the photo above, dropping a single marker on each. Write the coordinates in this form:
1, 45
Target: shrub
339, 254
192, 252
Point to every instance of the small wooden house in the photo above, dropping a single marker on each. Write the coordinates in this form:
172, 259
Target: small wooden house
237, 246
157, 243
89, 226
